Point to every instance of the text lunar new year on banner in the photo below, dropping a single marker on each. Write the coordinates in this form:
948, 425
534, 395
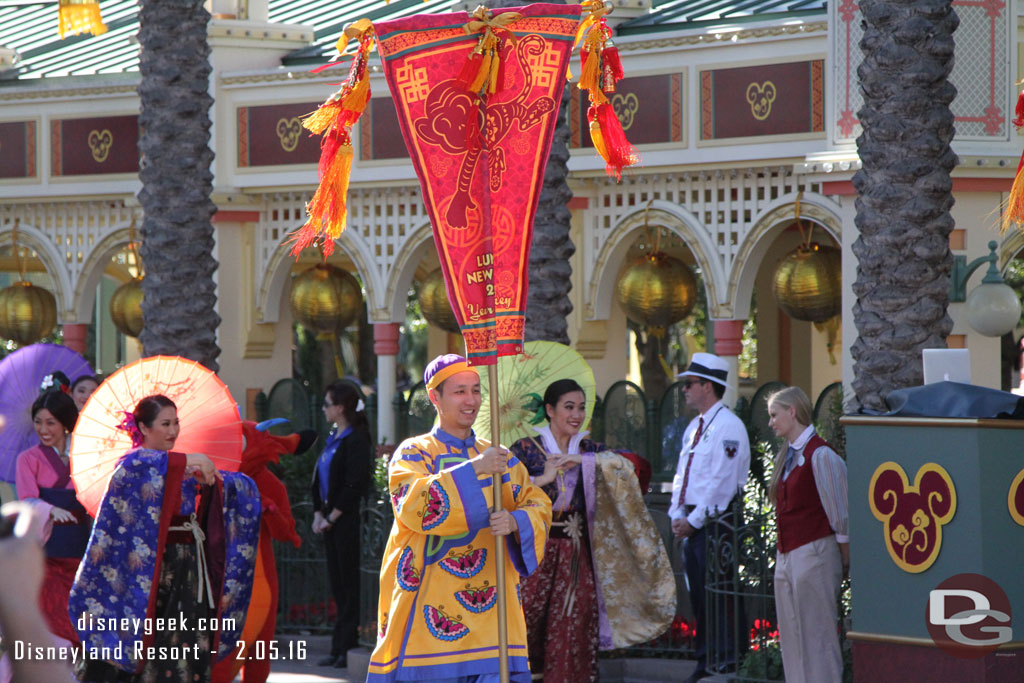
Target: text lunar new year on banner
481, 162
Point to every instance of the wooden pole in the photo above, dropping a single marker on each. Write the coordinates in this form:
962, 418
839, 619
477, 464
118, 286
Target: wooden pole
499, 542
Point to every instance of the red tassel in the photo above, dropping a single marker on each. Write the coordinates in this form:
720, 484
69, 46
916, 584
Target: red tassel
1019, 120
469, 70
618, 152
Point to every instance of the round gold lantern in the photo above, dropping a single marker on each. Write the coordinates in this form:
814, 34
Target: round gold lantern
27, 313
808, 283
434, 303
657, 290
325, 299
126, 308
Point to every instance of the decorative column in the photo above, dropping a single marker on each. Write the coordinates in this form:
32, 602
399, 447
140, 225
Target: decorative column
385, 345
729, 345
74, 337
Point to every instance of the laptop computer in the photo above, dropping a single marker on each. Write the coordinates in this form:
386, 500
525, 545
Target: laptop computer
946, 365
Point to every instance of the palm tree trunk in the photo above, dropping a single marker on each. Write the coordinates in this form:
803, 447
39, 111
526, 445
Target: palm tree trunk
178, 309
905, 194
550, 272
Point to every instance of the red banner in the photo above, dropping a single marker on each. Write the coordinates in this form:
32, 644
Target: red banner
481, 161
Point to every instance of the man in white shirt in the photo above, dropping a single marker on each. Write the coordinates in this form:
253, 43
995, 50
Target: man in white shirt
712, 470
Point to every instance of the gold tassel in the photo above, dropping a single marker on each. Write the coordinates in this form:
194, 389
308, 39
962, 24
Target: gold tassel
598, 139
79, 16
489, 47
591, 69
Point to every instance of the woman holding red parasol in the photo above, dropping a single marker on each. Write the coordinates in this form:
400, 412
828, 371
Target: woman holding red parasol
174, 538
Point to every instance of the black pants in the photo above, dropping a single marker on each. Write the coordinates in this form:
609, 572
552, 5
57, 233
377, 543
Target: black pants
696, 561
342, 541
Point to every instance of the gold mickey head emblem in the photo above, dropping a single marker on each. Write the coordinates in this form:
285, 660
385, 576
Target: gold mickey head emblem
288, 131
625, 107
100, 142
760, 97
912, 515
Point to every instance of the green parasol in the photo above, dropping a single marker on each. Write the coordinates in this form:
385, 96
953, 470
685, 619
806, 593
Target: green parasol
522, 380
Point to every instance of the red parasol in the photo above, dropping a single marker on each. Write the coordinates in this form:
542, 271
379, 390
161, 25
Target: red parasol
210, 422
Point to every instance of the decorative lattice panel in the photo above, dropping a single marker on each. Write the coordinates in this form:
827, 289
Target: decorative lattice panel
981, 72
73, 230
726, 204
380, 222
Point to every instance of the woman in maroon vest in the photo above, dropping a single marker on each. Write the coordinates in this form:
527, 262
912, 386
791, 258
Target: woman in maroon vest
809, 490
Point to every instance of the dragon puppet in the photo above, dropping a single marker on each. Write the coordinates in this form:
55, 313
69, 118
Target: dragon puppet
261, 449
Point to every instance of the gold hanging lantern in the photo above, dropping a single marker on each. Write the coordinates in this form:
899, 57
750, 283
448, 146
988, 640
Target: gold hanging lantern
126, 302
126, 308
325, 299
808, 283
657, 290
434, 303
27, 312
79, 16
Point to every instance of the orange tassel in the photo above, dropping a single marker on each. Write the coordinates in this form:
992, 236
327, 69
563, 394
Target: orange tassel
327, 210
614, 148
1013, 211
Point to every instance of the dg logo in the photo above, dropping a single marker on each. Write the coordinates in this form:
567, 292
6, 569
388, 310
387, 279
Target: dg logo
969, 616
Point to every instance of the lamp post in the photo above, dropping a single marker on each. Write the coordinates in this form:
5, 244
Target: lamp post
993, 308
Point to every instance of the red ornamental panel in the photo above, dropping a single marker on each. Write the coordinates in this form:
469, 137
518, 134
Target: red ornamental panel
773, 99
272, 135
480, 162
648, 107
380, 133
100, 145
18, 149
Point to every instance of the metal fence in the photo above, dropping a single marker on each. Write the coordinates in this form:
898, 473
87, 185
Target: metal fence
741, 559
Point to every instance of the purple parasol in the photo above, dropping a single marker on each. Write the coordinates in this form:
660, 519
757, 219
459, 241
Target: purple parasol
21, 373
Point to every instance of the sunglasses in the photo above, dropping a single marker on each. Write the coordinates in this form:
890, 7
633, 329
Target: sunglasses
690, 382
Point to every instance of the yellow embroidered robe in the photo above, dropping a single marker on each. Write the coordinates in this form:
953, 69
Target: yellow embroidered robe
438, 598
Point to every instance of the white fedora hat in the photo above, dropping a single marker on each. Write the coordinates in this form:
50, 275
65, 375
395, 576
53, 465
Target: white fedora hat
707, 366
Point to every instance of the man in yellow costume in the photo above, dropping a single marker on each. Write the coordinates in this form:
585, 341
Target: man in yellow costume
438, 592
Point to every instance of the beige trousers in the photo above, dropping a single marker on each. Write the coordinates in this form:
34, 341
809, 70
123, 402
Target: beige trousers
807, 581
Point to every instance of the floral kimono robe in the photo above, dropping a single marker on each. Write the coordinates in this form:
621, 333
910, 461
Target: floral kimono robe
438, 595
150, 555
606, 581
